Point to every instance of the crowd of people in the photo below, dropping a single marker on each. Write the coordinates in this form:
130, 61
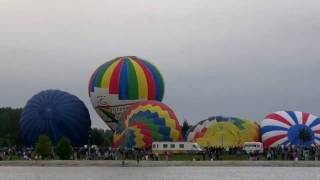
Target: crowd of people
293, 153
79, 153
210, 153
15, 153
96, 153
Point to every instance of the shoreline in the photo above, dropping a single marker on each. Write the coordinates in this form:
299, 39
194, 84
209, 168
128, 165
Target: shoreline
131, 163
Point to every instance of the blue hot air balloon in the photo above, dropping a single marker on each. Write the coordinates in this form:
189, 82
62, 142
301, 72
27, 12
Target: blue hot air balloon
56, 114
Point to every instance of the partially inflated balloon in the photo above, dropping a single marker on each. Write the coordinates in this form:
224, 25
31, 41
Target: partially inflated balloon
56, 114
220, 131
147, 122
290, 128
120, 83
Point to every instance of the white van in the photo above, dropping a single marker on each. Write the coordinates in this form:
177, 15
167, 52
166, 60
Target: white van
251, 147
175, 147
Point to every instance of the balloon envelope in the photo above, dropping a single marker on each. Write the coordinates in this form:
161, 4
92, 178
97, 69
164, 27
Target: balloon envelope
119, 83
56, 114
147, 122
220, 131
290, 128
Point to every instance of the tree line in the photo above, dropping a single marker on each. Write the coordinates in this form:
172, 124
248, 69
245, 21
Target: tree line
10, 133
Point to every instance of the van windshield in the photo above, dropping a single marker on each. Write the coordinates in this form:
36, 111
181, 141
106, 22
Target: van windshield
251, 145
196, 146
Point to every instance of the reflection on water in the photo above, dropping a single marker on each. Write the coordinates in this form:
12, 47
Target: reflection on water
159, 173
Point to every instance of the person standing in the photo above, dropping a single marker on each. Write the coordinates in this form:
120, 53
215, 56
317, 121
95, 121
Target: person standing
138, 156
166, 154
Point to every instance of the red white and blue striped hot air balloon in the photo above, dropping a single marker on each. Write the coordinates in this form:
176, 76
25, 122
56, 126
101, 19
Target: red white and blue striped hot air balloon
120, 83
290, 128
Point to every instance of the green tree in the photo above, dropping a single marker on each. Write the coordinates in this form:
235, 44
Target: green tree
9, 126
185, 127
64, 149
101, 137
44, 147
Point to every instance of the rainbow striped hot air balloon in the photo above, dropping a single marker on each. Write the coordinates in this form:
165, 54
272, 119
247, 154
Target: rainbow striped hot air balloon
147, 122
290, 128
119, 83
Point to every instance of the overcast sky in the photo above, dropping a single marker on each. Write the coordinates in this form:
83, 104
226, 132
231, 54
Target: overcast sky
242, 58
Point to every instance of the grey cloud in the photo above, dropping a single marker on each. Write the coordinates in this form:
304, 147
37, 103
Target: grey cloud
241, 58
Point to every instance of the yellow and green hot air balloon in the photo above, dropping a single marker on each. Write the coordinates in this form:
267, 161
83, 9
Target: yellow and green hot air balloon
220, 131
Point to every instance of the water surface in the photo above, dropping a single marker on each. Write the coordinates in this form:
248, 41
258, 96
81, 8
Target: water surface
159, 173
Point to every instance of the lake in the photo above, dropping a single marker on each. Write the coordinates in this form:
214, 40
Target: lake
159, 173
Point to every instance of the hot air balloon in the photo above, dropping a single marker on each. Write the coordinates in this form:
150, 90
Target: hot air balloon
120, 83
220, 131
290, 128
56, 114
146, 122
